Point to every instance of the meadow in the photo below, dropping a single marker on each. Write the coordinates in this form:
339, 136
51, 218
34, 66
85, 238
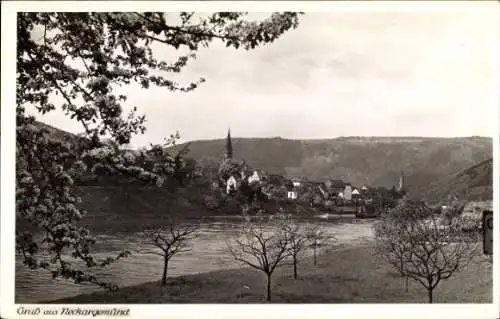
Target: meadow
342, 275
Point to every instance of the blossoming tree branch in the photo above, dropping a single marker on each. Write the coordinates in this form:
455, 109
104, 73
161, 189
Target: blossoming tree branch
83, 58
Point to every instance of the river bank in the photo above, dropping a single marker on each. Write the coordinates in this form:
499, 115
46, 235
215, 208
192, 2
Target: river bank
343, 275
208, 253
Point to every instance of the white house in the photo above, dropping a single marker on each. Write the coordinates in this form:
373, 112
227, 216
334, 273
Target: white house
254, 178
231, 184
348, 192
296, 182
292, 194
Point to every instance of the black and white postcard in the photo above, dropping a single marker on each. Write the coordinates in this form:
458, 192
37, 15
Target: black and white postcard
173, 159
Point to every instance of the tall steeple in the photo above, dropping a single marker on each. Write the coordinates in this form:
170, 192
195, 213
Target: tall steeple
229, 146
401, 182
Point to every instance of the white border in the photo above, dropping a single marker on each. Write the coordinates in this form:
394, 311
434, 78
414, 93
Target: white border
7, 306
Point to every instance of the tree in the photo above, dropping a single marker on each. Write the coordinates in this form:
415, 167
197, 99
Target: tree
231, 167
153, 164
170, 240
251, 193
182, 166
390, 247
384, 199
190, 170
413, 240
317, 238
76, 62
297, 243
45, 172
317, 200
263, 246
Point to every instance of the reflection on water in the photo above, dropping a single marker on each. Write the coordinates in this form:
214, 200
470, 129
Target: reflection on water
208, 253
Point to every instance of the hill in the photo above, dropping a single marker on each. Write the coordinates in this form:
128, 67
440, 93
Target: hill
438, 166
472, 184
55, 132
374, 161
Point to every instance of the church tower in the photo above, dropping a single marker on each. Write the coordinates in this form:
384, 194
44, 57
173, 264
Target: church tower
401, 182
229, 146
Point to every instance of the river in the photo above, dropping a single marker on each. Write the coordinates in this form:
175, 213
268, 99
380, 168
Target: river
208, 253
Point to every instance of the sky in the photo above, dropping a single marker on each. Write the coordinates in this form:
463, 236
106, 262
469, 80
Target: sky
359, 73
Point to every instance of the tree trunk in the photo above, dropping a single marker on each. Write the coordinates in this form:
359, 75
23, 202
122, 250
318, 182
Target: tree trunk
295, 275
429, 293
406, 284
164, 276
269, 287
315, 258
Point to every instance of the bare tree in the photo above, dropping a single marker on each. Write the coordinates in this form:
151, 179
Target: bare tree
418, 246
262, 246
389, 246
317, 238
297, 243
170, 240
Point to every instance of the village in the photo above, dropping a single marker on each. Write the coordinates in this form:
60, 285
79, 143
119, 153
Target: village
332, 196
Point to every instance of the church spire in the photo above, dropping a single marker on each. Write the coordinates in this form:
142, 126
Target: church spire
229, 146
401, 182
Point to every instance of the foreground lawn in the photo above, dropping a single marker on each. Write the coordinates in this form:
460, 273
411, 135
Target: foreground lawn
349, 275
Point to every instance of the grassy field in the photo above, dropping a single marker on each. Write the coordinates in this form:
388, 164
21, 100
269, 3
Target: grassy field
348, 275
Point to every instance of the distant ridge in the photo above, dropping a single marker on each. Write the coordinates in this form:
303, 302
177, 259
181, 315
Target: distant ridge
346, 138
360, 160
375, 161
54, 131
472, 184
